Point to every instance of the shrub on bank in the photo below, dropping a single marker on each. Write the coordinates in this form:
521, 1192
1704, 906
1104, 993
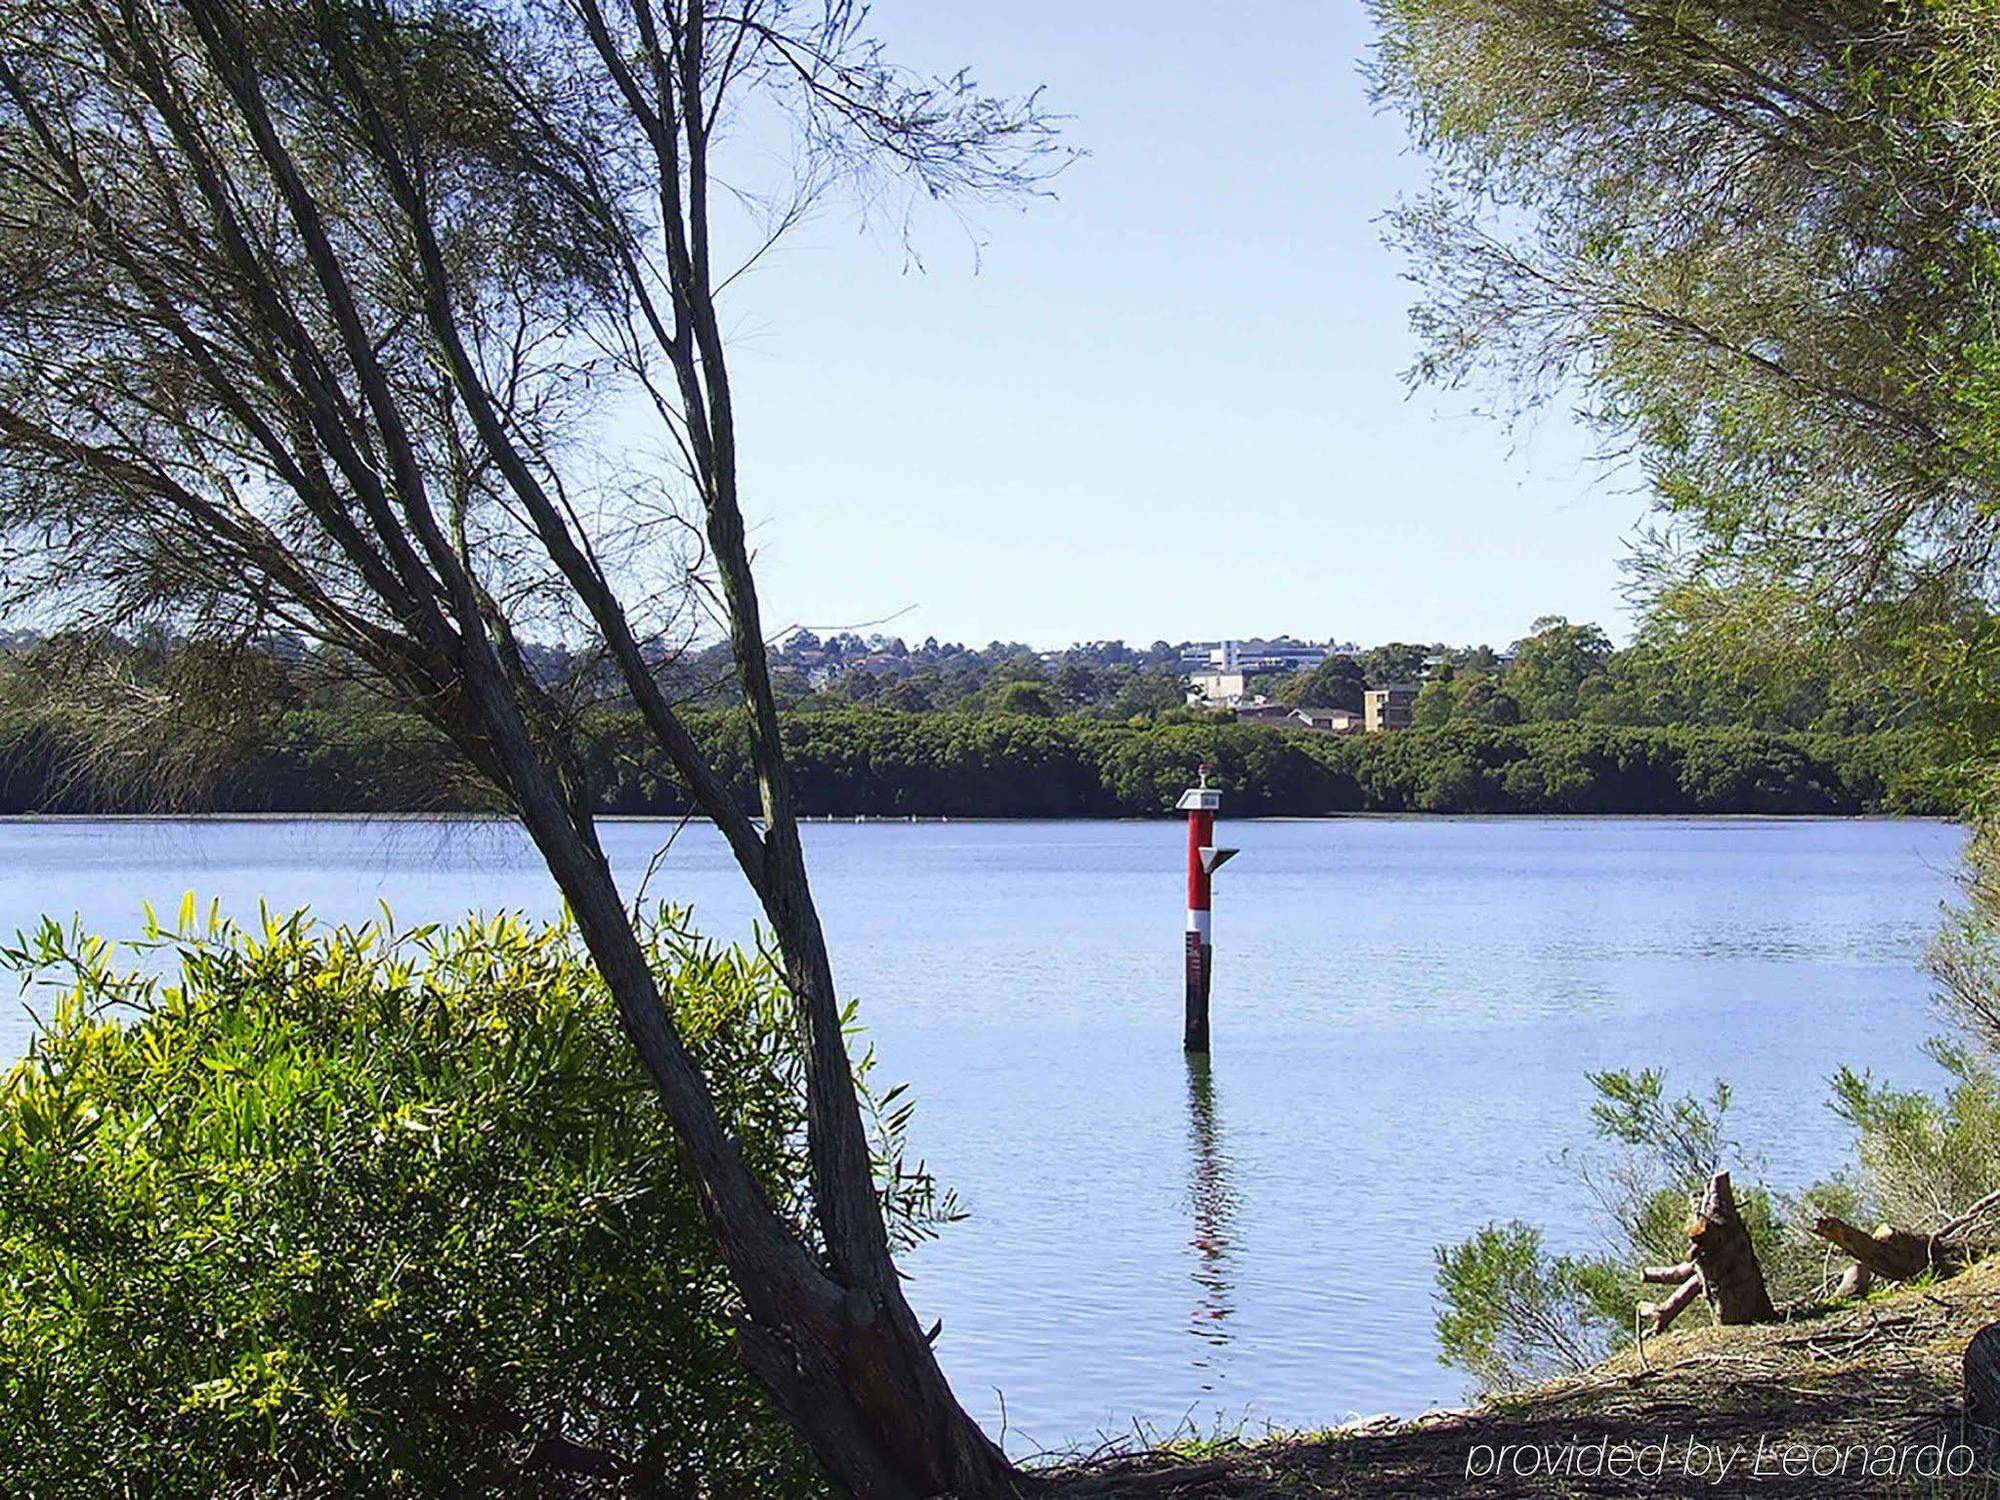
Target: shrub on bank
1512, 1312
366, 1213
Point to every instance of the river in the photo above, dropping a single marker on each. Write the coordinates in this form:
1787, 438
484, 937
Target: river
1404, 1013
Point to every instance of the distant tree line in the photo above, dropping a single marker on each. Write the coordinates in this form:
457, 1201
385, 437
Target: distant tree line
879, 763
1568, 725
1559, 671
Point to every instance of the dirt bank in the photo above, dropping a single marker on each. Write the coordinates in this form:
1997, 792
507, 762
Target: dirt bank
1867, 1395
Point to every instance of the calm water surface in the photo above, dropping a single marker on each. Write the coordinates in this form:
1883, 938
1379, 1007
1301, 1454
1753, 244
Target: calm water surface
1404, 1012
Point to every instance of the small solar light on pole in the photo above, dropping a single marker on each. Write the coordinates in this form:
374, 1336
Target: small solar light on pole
1200, 803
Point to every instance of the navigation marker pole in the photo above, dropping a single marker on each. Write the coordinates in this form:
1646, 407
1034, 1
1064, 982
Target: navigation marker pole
1200, 803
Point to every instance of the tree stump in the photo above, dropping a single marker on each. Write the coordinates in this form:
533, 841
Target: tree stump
1730, 1274
1982, 1381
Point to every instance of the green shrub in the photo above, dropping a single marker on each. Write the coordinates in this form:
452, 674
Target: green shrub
1511, 1314
376, 1213
1924, 1157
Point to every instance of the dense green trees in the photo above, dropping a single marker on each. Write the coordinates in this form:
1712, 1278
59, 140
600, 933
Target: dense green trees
1552, 665
856, 762
1337, 682
1650, 734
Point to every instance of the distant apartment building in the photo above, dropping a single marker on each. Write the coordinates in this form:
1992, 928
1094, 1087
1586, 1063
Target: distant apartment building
1220, 688
1388, 707
1218, 673
1281, 655
1331, 720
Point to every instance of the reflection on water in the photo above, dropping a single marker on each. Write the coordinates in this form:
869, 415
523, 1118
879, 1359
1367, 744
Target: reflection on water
1212, 1206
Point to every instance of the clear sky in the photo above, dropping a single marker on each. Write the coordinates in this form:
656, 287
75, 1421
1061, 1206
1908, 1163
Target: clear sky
1168, 402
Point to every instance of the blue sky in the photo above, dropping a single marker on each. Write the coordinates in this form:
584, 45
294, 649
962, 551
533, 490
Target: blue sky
1168, 402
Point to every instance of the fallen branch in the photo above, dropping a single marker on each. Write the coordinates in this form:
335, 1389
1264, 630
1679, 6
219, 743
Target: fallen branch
1670, 1275
1889, 1252
1662, 1314
1953, 1227
1855, 1283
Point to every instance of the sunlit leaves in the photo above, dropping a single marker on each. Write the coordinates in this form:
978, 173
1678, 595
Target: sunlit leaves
354, 1208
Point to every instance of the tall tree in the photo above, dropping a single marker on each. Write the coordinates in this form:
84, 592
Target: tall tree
1337, 682
1394, 664
1759, 242
1552, 664
306, 311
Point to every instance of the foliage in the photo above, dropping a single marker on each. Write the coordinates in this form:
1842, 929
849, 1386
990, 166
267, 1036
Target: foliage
1029, 698
1756, 245
1552, 665
403, 328
378, 1212
1511, 1314
1924, 1158
1667, 1151
321, 748
1337, 682
1395, 663
1964, 957
1464, 697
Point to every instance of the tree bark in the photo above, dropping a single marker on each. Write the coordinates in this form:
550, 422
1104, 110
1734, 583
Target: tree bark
1662, 1314
1726, 1258
1982, 1382
1889, 1252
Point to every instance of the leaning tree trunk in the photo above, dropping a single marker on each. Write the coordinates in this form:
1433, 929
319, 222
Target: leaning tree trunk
1726, 1259
847, 1363
295, 331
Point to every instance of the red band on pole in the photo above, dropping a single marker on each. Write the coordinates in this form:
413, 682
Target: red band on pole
1201, 834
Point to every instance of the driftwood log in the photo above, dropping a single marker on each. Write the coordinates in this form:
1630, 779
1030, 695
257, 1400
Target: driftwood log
1661, 1314
1899, 1254
1891, 1253
1858, 1281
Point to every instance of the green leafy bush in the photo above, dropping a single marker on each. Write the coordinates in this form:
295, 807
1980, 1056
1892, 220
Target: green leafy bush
1924, 1157
375, 1213
1511, 1314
